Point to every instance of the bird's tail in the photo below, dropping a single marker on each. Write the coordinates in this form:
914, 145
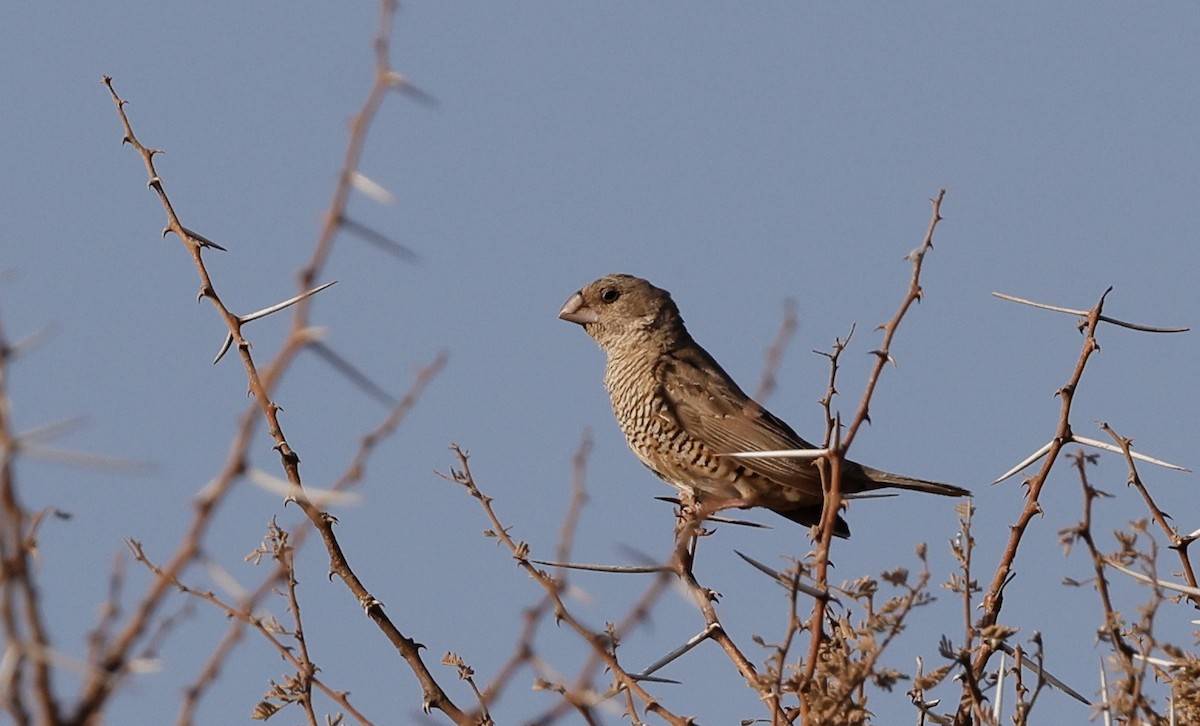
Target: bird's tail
881, 479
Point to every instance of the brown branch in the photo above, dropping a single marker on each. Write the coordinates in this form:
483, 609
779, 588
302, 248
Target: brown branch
467, 673
21, 613
637, 615
831, 472
305, 669
1178, 543
794, 626
246, 617
97, 689
209, 673
523, 651
687, 537
1112, 619
993, 599
387, 80
787, 328
883, 355
600, 644
963, 582
298, 535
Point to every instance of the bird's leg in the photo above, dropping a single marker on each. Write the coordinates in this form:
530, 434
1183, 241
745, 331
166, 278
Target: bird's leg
688, 531
690, 515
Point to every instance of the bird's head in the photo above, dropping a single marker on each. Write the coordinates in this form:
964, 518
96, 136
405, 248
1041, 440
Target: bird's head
623, 311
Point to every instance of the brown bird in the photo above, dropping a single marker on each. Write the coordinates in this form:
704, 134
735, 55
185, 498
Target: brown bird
681, 412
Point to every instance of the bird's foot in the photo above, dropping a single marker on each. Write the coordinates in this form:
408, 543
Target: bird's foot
692, 512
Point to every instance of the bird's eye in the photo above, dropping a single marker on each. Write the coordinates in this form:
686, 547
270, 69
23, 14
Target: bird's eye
610, 294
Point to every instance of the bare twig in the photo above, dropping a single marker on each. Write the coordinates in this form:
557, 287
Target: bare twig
600, 643
787, 328
1178, 543
261, 383
838, 444
993, 600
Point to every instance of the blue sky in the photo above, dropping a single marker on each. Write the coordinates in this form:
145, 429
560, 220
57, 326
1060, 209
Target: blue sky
734, 154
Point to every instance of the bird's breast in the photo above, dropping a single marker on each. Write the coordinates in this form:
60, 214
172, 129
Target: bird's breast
658, 438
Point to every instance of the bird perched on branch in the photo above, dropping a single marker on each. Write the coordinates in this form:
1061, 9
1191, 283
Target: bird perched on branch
683, 415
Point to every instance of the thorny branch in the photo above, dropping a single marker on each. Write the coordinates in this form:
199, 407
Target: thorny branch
970, 704
838, 444
993, 599
261, 385
1179, 543
114, 640
1112, 629
601, 644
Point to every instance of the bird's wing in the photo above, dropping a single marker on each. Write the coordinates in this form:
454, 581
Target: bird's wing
713, 409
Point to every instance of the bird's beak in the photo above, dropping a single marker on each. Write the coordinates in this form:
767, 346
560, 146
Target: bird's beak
574, 311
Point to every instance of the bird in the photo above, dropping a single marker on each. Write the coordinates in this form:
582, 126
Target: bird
682, 414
